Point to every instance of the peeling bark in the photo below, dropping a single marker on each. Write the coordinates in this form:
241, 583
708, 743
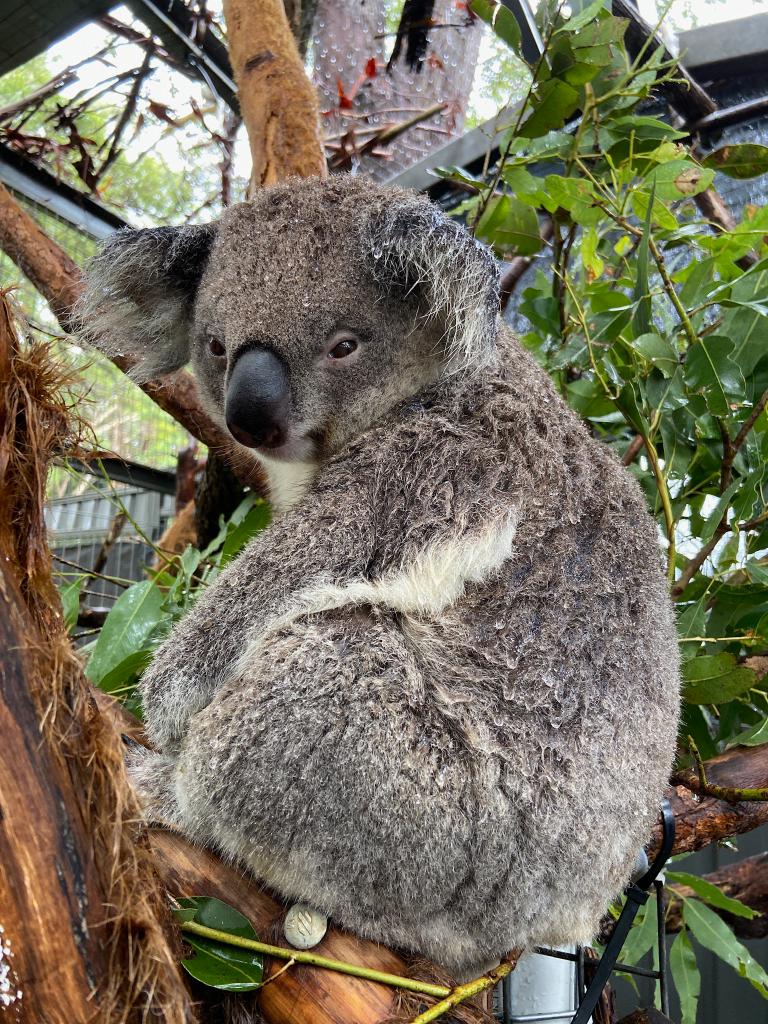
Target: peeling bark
277, 100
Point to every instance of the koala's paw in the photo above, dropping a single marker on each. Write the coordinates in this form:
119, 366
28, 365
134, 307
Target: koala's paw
153, 776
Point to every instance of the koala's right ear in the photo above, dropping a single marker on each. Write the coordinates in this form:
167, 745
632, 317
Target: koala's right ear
139, 294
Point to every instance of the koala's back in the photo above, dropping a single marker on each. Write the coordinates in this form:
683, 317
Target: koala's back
463, 749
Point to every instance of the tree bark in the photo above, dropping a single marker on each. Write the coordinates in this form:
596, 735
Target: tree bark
278, 103
82, 913
701, 821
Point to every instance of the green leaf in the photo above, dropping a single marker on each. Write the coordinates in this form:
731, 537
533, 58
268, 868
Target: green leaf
709, 368
710, 893
555, 102
130, 623
218, 964
680, 178
70, 601
658, 351
583, 17
715, 679
576, 195
714, 934
714, 518
256, 520
460, 176
642, 296
510, 226
126, 671
501, 19
754, 737
685, 974
642, 935
746, 160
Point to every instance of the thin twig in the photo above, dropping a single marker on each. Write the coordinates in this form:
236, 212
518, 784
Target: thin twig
471, 988
314, 960
700, 785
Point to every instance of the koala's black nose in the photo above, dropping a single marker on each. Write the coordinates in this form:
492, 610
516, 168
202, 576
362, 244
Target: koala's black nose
258, 399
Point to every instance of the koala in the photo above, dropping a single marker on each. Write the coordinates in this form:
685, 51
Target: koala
437, 698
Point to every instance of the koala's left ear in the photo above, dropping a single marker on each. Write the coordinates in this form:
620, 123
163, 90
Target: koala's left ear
412, 244
139, 294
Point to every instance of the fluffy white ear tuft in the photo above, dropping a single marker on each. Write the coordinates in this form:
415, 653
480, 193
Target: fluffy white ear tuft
412, 244
139, 295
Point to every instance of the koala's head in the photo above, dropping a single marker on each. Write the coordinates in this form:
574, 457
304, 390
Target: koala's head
307, 313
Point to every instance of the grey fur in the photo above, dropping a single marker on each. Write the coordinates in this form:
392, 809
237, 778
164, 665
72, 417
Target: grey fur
437, 698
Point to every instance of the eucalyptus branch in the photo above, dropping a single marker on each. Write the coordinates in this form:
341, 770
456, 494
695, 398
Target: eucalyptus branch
666, 504
730, 451
315, 960
463, 992
700, 785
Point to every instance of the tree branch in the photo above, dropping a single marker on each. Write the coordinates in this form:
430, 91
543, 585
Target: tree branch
59, 280
730, 451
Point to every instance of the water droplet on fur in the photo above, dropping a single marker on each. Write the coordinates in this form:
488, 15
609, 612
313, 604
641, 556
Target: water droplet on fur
305, 301
499, 623
377, 254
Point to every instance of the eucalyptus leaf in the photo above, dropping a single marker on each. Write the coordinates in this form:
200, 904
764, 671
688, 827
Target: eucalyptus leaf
218, 964
686, 976
714, 934
710, 893
715, 679
744, 160
127, 628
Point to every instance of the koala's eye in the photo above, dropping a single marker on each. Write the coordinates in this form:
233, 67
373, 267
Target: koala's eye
342, 346
215, 347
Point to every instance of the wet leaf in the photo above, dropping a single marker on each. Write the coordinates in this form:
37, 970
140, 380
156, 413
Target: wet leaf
746, 160
129, 625
715, 679
685, 974
218, 964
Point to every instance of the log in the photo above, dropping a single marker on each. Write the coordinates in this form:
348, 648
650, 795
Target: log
277, 100
746, 881
301, 995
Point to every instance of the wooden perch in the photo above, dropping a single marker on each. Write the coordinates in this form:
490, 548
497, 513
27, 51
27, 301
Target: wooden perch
301, 995
58, 278
277, 100
700, 821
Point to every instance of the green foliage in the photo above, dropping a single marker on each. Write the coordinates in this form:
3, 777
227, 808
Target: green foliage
144, 613
654, 327
218, 964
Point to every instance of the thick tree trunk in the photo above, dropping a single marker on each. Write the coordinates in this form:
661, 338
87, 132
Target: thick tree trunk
82, 914
278, 103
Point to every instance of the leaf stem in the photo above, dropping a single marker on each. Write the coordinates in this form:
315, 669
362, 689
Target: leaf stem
314, 960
